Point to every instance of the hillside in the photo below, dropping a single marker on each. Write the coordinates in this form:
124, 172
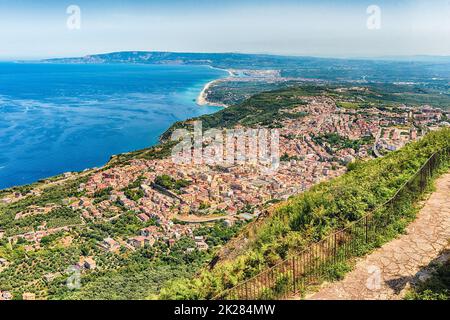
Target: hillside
263, 109
308, 217
123, 225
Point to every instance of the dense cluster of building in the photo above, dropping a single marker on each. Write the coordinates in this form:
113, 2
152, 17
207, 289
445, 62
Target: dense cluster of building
239, 191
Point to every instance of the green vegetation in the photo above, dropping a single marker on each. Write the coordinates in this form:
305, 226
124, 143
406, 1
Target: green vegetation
219, 233
137, 280
134, 191
61, 217
124, 275
437, 287
314, 214
292, 226
338, 142
126, 225
141, 274
160, 151
170, 183
348, 105
102, 195
27, 269
54, 194
23, 190
50, 239
285, 157
234, 92
134, 194
266, 108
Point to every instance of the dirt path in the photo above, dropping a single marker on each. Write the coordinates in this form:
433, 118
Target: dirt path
387, 272
198, 219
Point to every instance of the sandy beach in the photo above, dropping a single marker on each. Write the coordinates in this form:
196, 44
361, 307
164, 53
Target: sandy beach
202, 99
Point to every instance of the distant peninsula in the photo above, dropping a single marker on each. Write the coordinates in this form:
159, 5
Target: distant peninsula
413, 70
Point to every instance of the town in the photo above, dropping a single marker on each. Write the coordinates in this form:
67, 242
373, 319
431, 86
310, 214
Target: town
171, 200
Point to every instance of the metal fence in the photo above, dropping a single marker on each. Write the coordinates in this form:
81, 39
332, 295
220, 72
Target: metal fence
307, 268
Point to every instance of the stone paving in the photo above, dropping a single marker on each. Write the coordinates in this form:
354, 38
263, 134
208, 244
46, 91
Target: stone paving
388, 272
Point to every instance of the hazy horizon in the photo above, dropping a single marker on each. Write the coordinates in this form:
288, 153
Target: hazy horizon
323, 28
393, 57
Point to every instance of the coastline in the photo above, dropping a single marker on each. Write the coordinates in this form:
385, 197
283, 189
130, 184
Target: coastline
202, 99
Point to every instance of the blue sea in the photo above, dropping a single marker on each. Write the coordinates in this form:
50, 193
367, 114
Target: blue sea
56, 118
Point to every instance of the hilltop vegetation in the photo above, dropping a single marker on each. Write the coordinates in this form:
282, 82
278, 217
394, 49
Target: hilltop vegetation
263, 109
312, 215
51, 194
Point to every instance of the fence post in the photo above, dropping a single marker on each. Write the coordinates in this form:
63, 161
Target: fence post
367, 227
294, 276
335, 248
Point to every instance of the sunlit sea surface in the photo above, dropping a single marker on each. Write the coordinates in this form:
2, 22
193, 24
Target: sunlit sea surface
56, 118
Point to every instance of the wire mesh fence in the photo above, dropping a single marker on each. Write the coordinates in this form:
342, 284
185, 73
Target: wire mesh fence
308, 267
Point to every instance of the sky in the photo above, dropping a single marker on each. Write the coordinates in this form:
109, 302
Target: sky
31, 29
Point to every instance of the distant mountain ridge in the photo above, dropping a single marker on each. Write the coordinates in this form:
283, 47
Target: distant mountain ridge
220, 60
165, 57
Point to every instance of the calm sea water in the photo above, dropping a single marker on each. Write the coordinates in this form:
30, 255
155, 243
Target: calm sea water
58, 118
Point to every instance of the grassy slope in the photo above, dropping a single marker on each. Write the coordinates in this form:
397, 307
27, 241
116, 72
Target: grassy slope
313, 214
